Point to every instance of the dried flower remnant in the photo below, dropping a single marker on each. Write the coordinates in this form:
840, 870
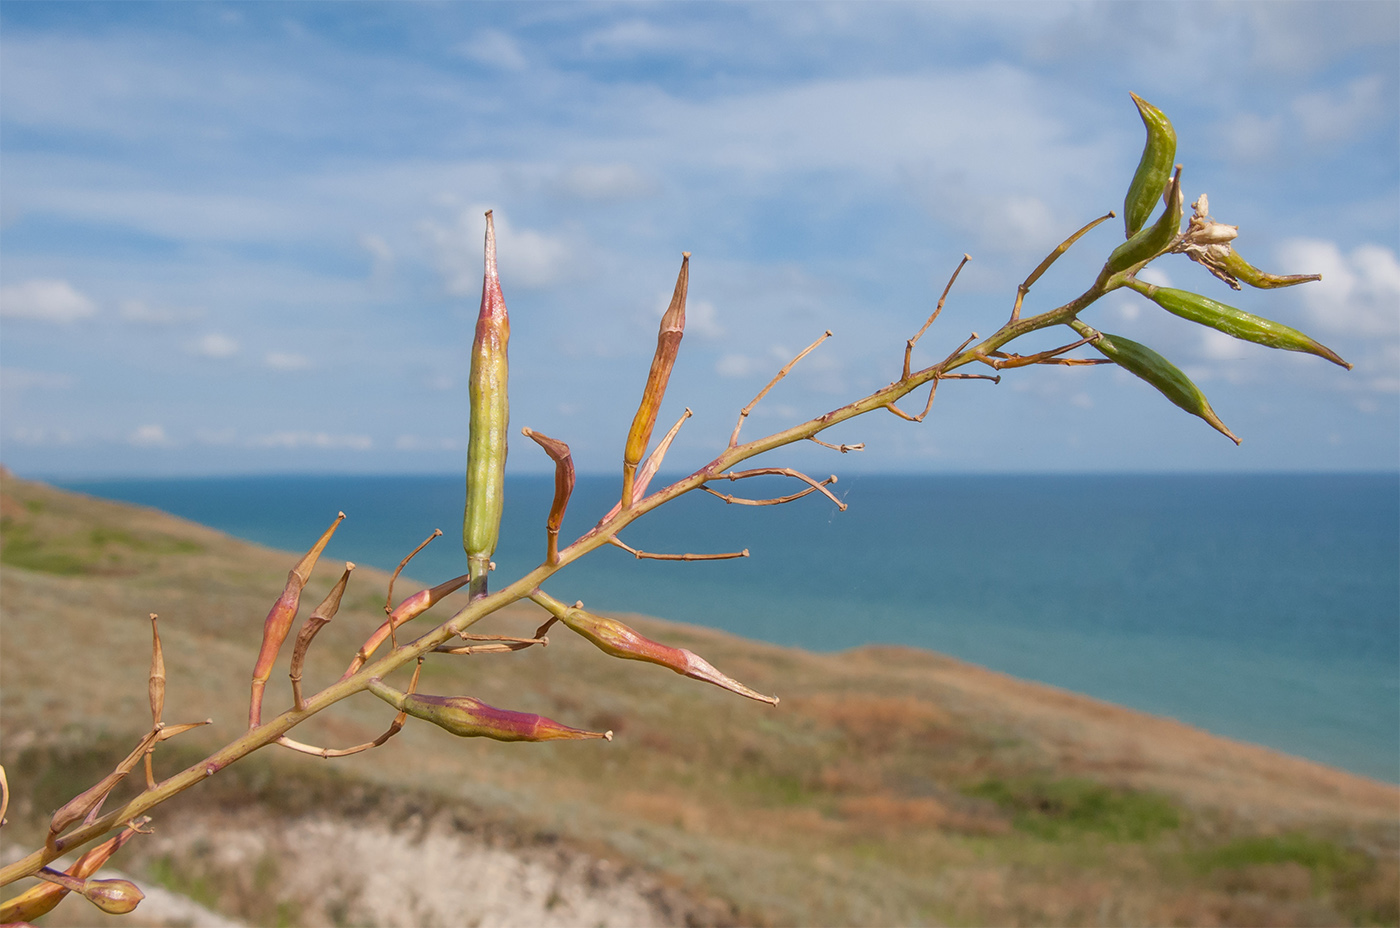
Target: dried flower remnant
490, 421
617, 640
279, 621
468, 717
1211, 245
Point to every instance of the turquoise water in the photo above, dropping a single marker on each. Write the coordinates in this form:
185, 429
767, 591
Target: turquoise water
1265, 608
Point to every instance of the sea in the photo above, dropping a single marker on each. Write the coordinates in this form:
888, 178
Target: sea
1264, 607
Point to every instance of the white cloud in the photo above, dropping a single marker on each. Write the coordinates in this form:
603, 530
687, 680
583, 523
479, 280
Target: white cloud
495, 48
418, 443
150, 436
16, 380
215, 345
287, 361
380, 254
1334, 116
736, 365
1220, 347
321, 440
527, 258
42, 436
224, 436
618, 181
702, 319
46, 300
142, 313
1155, 275
1359, 293
1248, 137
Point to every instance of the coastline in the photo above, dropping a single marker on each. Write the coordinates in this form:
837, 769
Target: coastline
898, 751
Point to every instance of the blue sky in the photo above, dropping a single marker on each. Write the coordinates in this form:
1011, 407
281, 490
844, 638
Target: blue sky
246, 237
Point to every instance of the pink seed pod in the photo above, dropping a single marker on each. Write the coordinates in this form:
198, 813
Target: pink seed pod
410, 608
618, 640
468, 717
279, 621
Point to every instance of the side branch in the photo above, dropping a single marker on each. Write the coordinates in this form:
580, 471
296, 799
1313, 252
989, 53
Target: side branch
909, 345
744, 413
618, 542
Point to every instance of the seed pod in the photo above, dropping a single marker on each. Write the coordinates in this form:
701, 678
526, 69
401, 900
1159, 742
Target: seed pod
471, 718
668, 345
41, 899
1153, 240
490, 418
411, 608
558, 451
1166, 377
155, 685
279, 621
1234, 322
1153, 169
115, 897
1240, 269
613, 638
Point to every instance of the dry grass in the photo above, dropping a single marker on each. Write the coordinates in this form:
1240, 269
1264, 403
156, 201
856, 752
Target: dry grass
891, 786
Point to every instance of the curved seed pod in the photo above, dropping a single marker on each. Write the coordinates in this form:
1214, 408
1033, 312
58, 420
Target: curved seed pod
613, 638
1240, 269
1153, 169
471, 718
558, 451
279, 621
1148, 365
490, 419
668, 345
115, 897
1234, 322
1153, 240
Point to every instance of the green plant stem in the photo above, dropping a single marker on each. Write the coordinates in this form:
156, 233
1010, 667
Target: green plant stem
477, 609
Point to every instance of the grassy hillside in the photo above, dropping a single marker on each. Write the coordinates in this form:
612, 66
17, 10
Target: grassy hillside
890, 786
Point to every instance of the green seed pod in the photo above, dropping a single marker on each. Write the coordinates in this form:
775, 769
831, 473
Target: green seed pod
1241, 269
1234, 322
490, 418
471, 718
1153, 169
1148, 365
1153, 240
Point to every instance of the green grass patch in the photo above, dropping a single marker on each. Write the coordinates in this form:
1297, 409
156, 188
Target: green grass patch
1060, 808
23, 550
1319, 855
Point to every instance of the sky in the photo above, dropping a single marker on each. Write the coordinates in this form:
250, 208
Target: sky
246, 238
